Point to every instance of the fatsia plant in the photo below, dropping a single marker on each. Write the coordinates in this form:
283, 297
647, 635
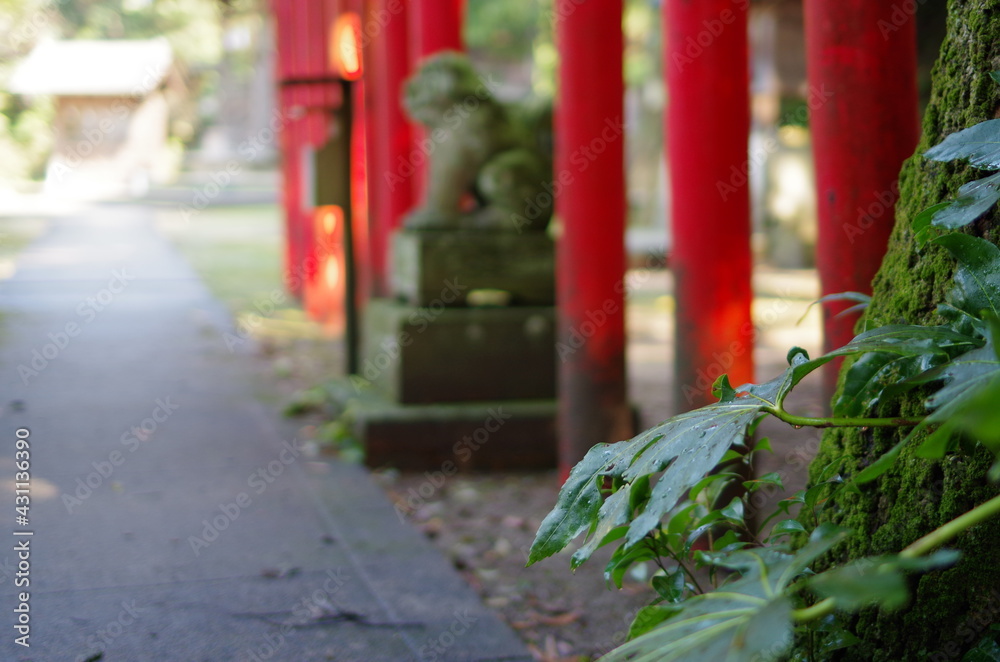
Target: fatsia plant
728, 590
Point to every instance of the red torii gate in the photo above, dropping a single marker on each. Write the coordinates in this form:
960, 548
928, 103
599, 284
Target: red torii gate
706, 68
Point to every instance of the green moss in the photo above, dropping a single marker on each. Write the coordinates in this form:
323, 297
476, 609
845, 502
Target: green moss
919, 495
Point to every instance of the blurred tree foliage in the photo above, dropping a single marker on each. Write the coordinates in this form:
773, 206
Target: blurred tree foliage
499, 34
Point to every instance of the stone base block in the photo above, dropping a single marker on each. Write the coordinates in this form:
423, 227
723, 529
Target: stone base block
430, 355
428, 263
497, 436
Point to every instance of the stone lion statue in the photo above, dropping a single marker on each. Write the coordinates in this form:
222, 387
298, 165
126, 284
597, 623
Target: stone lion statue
490, 164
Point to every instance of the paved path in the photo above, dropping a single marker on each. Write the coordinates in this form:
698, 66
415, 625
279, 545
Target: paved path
174, 517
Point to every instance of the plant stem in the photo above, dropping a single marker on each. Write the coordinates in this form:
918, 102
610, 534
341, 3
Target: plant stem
817, 611
687, 571
806, 421
943, 534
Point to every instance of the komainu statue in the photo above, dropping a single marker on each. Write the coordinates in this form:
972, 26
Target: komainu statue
490, 163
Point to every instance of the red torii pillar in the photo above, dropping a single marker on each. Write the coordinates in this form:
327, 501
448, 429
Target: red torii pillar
308, 94
707, 131
862, 63
389, 134
435, 26
590, 202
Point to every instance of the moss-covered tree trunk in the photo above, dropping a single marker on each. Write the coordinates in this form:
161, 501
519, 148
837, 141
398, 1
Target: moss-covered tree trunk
951, 610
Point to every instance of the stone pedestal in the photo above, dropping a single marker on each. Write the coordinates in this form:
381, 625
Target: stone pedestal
417, 355
462, 386
498, 436
427, 264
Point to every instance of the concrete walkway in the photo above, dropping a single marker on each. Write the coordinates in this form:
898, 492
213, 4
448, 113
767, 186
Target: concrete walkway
173, 517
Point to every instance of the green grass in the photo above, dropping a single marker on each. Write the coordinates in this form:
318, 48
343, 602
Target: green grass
237, 251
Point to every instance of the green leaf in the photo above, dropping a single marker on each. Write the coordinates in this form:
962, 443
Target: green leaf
649, 617
745, 620
978, 275
880, 580
669, 587
734, 511
966, 378
995, 75
987, 650
980, 144
861, 584
974, 199
835, 637
877, 375
773, 478
787, 526
687, 447
623, 559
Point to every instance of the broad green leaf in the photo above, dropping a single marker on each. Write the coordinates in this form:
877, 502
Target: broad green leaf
623, 559
745, 620
669, 587
687, 447
987, 650
974, 199
995, 75
966, 379
921, 225
734, 511
835, 636
787, 526
878, 580
878, 374
649, 617
980, 144
978, 275
861, 584
981, 417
